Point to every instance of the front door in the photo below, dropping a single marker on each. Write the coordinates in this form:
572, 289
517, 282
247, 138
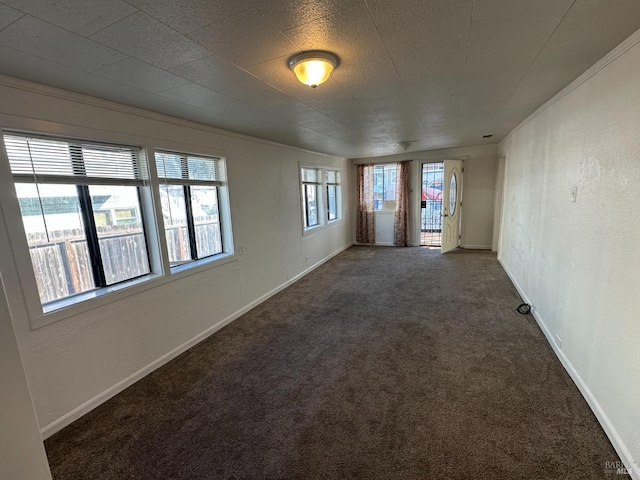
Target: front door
451, 203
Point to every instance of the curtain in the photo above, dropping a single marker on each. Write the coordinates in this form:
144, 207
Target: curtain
365, 219
401, 218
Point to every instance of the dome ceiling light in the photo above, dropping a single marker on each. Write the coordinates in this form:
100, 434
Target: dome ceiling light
313, 67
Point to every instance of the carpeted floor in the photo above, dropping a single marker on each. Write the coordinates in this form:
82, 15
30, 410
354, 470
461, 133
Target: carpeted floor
384, 363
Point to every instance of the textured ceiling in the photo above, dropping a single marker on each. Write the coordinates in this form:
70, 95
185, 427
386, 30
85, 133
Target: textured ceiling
440, 73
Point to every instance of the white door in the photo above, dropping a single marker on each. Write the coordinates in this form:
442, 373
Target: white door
451, 200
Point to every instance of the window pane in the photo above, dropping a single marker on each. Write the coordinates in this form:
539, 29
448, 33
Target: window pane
174, 212
206, 220
311, 205
120, 232
56, 238
202, 169
378, 187
169, 166
332, 201
332, 176
309, 175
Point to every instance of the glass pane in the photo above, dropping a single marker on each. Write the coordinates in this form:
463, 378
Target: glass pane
174, 213
56, 237
202, 169
120, 232
390, 183
206, 220
378, 187
309, 175
332, 176
168, 165
333, 202
311, 205
453, 194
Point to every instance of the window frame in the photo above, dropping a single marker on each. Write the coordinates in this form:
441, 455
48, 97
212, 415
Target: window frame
17, 251
322, 196
186, 183
79, 179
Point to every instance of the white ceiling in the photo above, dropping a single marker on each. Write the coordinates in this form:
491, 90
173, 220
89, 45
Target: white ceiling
441, 73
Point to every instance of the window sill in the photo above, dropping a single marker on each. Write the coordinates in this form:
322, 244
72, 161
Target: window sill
84, 302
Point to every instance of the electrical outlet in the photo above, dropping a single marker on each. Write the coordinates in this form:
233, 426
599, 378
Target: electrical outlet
306, 258
240, 249
574, 194
558, 341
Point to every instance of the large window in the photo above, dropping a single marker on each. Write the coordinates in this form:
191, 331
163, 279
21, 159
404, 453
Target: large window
333, 195
321, 196
80, 206
189, 193
384, 186
311, 196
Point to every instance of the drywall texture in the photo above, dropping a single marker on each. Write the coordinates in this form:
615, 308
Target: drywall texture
578, 262
22, 455
87, 356
478, 196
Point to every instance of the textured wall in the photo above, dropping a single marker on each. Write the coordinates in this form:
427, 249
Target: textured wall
579, 263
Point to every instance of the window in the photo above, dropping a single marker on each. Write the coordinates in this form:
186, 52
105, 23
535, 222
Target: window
384, 186
189, 193
81, 210
310, 196
333, 195
321, 196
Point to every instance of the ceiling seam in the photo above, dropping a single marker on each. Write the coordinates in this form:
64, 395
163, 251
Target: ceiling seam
7, 26
466, 62
88, 37
413, 102
539, 53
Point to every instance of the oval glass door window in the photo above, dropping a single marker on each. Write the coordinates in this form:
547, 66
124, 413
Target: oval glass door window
453, 194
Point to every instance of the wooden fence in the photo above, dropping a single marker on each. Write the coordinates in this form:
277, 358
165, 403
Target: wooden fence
62, 264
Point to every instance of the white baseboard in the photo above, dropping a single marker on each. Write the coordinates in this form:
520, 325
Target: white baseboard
102, 397
623, 452
476, 247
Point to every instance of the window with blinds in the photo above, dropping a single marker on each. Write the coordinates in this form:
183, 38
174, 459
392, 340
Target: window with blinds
189, 193
81, 210
46, 160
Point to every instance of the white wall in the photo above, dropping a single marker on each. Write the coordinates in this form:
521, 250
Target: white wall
77, 362
578, 263
22, 455
478, 198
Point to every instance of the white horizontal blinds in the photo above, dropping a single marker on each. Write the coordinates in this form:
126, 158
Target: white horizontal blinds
183, 169
47, 160
310, 175
333, 177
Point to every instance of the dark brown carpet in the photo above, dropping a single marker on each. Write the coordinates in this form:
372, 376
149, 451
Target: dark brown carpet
384, 363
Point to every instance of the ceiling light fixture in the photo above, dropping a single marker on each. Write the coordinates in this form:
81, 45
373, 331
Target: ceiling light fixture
313, 67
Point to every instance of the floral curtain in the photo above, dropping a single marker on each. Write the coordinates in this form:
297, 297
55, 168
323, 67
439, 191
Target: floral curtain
365, 219
401, 220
